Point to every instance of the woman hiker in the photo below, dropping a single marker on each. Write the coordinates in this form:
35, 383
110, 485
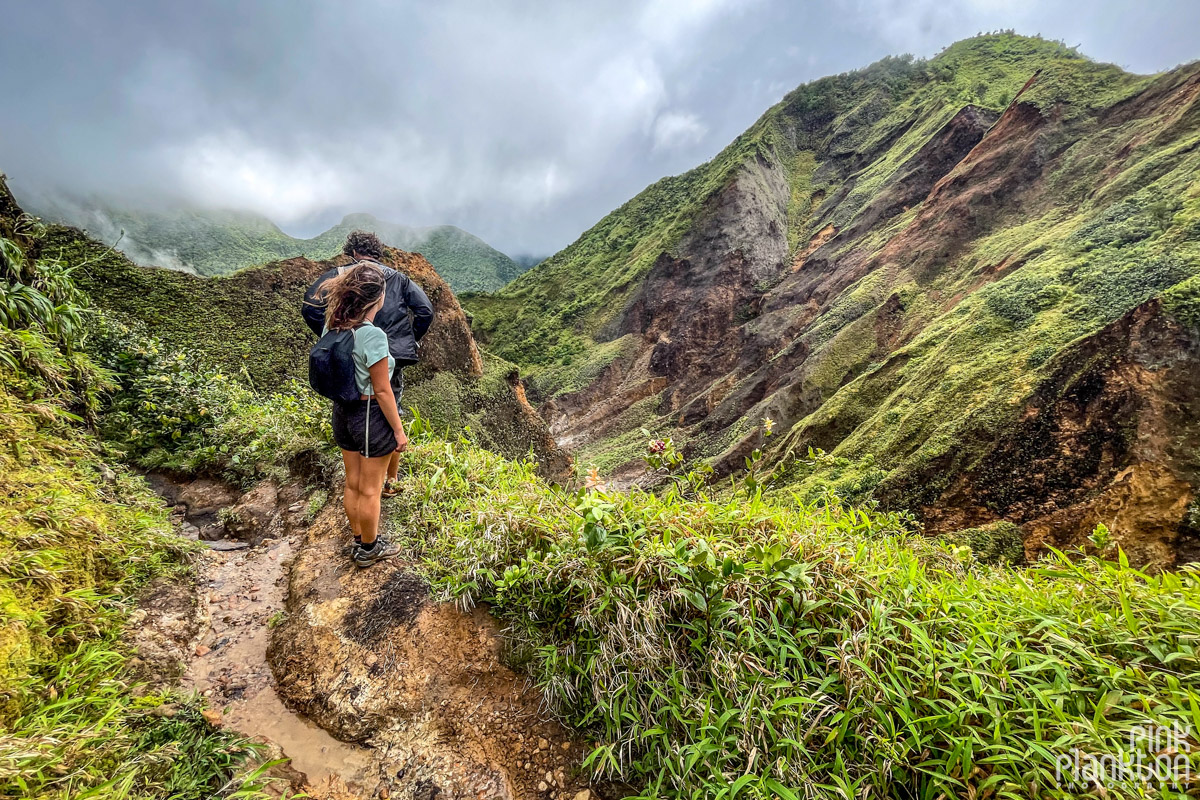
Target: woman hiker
405, 317
368, 431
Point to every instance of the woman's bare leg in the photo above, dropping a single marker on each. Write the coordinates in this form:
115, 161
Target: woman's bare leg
370, 488
350, 501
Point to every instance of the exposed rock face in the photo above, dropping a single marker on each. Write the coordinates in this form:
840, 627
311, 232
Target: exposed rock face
252, 518
713, 341
1113, 436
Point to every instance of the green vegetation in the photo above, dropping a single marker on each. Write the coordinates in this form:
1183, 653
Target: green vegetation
734, 646
247, 324
208, 242
78, 540
219, 241
170, 413
464, 261
995, 543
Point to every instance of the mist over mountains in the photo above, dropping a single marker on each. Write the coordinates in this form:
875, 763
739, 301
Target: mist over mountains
215, 241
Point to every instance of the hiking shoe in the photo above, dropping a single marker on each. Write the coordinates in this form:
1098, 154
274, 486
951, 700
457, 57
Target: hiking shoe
364, 558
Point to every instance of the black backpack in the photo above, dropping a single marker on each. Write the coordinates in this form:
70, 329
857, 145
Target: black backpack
331, 367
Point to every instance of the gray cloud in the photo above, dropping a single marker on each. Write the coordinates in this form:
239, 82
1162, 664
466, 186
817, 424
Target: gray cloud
522, 122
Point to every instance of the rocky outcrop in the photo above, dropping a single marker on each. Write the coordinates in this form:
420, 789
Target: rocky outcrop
370, 657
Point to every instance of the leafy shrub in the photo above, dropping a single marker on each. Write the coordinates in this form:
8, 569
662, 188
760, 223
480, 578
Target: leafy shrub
1020, 297
1183, 302
42, 329
1116, 280
167, 413
726, 647
822, 478
1128, 221
1040, 355
77, 541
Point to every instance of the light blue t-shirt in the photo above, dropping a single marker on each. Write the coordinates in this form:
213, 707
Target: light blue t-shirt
370, 346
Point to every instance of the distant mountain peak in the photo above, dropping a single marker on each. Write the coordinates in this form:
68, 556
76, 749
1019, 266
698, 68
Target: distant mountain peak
220, 241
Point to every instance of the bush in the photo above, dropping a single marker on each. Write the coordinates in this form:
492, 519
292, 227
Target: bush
739, 647
1182, 301
78, 540
168, 414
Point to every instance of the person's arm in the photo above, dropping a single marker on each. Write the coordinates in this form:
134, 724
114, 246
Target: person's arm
386, 400
422, 309
312, 309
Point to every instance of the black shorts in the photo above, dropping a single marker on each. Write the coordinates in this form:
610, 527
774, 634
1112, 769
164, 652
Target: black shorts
352, 422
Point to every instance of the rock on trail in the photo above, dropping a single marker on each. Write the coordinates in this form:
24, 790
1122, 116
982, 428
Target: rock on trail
369, 657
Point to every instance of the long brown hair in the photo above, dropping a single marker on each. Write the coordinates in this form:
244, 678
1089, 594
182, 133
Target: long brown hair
348, 296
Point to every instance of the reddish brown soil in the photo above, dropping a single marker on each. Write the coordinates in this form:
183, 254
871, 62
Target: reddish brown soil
371, 658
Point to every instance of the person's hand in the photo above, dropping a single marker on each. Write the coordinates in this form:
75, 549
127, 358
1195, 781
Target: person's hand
401, 441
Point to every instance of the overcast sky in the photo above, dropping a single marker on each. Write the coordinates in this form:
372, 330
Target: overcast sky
522, 122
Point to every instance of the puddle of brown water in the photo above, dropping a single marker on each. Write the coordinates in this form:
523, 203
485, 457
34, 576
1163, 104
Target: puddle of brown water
242, 591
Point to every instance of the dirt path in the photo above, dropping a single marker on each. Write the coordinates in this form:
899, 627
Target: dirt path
240, 594
369, 688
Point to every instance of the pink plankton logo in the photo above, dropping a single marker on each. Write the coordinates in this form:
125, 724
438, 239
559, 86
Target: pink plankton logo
1157, 757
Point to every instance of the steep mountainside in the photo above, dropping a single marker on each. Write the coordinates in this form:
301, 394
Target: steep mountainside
903, 266
222, 241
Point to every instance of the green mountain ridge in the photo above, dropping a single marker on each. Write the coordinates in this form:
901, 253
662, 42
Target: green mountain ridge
892, 265
222, 241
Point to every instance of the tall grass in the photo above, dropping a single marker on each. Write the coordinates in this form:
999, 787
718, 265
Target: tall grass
721, 647
167, 413
77, 541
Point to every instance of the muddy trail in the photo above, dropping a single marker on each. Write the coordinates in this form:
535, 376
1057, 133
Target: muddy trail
356, 678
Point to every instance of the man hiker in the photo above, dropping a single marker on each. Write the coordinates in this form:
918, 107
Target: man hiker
405, 317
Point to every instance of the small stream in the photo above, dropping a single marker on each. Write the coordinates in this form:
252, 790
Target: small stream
445, 717
242, 594
242, 591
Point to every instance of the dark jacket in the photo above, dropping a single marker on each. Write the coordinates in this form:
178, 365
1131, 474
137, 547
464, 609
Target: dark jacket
405, 317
